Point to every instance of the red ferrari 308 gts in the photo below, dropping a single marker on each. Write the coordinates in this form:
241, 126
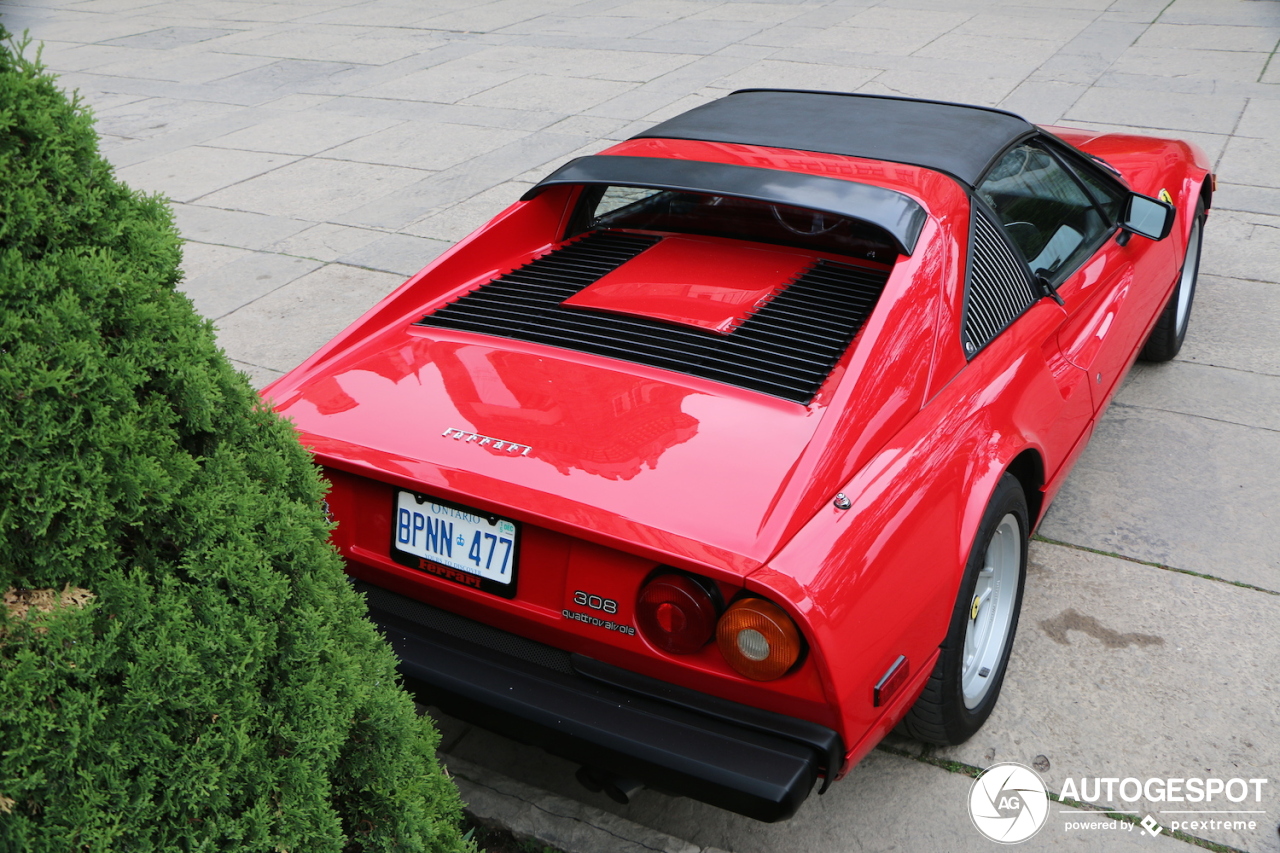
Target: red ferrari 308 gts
714, 457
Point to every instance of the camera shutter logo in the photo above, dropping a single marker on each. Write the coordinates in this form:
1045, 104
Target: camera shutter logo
1008, 803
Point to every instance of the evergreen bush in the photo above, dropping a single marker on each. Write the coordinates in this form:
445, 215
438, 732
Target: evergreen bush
182, 663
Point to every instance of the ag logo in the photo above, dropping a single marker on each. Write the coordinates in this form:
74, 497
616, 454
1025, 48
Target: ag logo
1008, 803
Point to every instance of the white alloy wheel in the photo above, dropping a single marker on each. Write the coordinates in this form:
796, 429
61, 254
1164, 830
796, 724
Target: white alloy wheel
1187, 285
965, 682
1170, 328
991, 611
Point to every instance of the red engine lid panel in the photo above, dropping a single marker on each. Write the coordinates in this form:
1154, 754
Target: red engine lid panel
710, 283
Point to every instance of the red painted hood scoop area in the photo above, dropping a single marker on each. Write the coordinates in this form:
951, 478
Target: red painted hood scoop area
766, 319
705, 282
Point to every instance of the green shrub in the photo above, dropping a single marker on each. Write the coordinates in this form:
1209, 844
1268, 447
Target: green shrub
220, 689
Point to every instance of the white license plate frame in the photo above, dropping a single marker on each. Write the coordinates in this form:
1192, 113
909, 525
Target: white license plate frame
454, 542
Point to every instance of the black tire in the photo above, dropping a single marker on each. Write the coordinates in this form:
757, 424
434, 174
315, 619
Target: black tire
943, 715
1171, 328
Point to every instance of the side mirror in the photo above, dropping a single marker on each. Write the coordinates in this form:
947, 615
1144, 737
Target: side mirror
1148, 217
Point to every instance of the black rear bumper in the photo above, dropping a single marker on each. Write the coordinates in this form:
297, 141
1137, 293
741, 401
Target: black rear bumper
756, 763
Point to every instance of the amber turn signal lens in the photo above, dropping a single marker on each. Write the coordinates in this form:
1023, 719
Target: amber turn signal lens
676, 614
758, 639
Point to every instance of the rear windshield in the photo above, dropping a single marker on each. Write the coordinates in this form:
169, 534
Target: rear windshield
643, 209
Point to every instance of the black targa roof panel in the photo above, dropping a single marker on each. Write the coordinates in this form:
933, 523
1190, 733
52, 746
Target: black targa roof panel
902, 217
959, 140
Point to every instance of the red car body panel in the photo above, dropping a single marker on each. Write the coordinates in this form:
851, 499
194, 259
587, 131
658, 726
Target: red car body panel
633, 467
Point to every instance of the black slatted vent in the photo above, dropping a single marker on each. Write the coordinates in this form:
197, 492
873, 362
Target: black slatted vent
787, 348
1000, 288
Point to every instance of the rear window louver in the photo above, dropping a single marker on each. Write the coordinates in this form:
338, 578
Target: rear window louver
786, 348
999, 287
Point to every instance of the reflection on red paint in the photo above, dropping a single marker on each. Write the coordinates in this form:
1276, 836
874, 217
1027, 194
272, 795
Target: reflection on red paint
329, 398
575, 416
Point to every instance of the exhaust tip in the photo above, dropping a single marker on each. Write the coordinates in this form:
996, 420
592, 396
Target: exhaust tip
617, 788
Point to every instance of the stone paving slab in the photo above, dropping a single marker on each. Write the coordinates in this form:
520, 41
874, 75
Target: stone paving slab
200, 258
1233, 325
316, 189
1124, 670
234, 285
411, 200
1172, 112
495, 799
1248, 199
234, 227
1241, 397
1249, 161
396, 253
147, 117
303, 133
190, 173
198, 68
1182, 490
427, 145
328, 242
281, 328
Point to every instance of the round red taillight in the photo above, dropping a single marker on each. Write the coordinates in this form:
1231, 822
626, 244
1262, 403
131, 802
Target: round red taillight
676, 614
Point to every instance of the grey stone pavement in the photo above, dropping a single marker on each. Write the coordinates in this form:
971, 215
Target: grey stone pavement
319, 151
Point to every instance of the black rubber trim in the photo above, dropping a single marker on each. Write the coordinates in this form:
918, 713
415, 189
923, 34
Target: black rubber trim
822, 739
468, 630
685, 743
901, 217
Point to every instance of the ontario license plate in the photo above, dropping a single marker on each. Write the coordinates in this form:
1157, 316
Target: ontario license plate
456, 543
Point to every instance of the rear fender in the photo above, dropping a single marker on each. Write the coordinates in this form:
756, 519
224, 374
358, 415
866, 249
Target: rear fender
1194, 185
880, 579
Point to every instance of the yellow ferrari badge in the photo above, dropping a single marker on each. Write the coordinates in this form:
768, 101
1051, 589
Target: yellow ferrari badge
1165, 197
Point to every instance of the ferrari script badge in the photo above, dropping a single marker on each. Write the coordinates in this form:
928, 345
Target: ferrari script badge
486, 441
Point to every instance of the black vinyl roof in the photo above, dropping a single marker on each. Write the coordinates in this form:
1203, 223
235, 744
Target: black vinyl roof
959, 140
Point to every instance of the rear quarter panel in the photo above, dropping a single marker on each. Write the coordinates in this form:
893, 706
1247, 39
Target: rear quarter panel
880, 579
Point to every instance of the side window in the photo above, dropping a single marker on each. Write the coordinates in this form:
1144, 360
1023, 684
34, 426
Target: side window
619, 198
1044, 210
1109, 197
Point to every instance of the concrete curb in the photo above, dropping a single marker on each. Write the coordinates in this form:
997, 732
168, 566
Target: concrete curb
531, 813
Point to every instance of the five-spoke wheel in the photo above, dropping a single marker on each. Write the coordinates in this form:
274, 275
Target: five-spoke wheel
965, 683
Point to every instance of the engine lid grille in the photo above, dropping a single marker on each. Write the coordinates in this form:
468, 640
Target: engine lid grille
786, 349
